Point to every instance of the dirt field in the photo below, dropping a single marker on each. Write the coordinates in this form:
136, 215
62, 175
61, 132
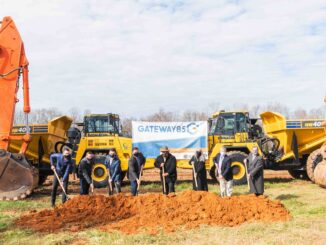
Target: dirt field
306, 203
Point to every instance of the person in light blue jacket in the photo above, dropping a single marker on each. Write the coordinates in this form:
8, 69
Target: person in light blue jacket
113, 165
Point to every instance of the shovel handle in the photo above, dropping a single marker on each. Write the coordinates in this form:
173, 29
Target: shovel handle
139, 178
246, 166
195, 175
63, 189
163, 177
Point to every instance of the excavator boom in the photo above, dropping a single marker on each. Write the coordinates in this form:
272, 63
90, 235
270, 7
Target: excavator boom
17, 176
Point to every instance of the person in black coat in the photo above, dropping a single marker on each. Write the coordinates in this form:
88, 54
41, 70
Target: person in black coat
85, 173
167, 162
224, 172
255, 166
199, 175
135, 165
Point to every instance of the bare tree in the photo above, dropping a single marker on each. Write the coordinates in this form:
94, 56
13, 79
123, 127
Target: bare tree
317, 113
162, 116
193, 116
127, 126
300, 114
255, 111
37, 116
75, 114
277, 107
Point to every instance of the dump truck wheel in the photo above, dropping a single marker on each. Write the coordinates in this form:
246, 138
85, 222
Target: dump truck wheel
298, 174
100, 175
238, 167
311, 164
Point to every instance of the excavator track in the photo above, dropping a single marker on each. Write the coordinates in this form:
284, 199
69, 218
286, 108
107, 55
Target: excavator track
18, 177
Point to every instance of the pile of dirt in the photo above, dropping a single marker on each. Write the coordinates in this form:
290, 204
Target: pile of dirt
151, 212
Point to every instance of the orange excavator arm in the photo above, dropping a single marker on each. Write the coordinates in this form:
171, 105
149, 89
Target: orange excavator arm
13, 63
18, 177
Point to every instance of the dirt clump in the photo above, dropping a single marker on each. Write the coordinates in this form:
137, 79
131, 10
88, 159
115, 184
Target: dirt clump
152, 212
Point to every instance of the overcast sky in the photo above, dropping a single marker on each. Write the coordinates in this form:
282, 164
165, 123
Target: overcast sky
134, 57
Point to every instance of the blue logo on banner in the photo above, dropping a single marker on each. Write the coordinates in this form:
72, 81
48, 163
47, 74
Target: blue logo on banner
192, 128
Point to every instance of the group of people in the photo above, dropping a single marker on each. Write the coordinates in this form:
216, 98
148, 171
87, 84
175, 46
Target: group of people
62, 164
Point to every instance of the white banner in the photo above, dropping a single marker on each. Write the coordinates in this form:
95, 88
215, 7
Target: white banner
182, 138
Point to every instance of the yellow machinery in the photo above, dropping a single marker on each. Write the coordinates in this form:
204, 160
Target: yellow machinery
284, 144
46, 139
99, 133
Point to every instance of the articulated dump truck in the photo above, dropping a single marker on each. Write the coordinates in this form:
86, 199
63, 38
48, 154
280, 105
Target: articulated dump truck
284, 144
46, 139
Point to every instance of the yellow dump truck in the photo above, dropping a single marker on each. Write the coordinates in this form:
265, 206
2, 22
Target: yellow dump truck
284, 144
99, 133
46, 139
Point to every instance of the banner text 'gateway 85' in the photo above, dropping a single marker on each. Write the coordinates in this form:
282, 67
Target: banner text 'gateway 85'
182, 138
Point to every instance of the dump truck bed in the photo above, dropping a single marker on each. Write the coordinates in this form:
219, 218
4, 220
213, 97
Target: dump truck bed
305, 135
44, 138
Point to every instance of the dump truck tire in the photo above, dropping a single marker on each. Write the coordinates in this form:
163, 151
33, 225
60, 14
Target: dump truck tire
238, 167
99, 174
298, 174
311, 164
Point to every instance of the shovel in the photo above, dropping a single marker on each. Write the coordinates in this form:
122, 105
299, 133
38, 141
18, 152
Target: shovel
138, 186
245, 162
110, 183
195, 175
163, 177
63, 189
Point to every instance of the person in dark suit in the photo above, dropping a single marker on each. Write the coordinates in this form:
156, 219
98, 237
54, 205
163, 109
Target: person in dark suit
255, 172
224, 172
167, 162
85, 168
135, 164
199, 176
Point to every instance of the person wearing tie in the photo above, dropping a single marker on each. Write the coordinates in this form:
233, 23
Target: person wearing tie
255, 172
224, 172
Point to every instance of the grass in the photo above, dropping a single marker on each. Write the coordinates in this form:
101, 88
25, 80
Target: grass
305, 201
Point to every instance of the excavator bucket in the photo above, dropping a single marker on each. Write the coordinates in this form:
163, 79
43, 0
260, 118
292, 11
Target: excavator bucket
18, 177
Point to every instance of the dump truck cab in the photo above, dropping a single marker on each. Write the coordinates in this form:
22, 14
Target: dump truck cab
102, 125
233, 127
99, 133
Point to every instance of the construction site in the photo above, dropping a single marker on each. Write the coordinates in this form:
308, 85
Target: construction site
291, 209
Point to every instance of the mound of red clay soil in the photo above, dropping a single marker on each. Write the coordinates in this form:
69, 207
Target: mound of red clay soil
151, 212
